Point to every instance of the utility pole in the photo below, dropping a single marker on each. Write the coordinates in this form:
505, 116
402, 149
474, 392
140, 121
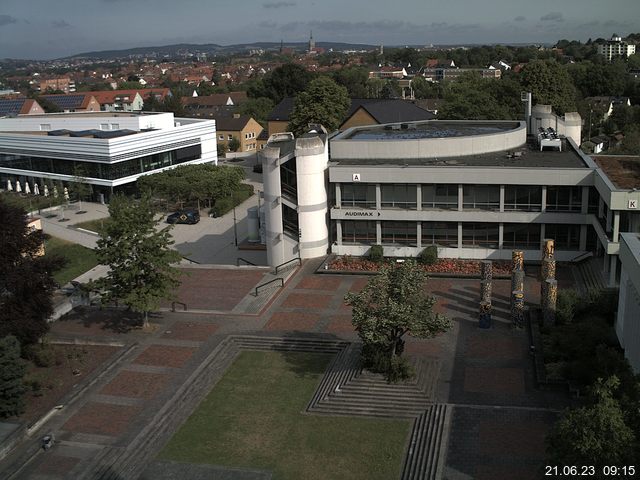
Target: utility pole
235, 229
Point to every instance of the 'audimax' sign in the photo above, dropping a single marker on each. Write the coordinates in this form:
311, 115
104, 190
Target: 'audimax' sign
360, 213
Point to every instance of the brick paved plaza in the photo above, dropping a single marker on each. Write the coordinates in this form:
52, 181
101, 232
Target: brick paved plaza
499, 419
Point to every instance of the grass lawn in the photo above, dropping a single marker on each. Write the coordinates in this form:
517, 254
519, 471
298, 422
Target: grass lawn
94, 225
79, 258
254, 418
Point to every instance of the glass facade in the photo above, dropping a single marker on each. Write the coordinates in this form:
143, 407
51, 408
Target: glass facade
106, 171
399, 233
567, 237
481, 197
564, 199
483, 235
522, 198
355, 232
444, 197
444, 234
290, 222
289, 179
358, 195
399, 196
521, 235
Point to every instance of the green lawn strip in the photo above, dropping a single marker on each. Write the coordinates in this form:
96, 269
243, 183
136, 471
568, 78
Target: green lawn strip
79, 259
94, 225
254, 418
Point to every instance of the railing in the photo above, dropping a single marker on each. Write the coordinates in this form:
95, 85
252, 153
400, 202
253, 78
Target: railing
581, 257
173, 306
244, 260
297, 259
269, 282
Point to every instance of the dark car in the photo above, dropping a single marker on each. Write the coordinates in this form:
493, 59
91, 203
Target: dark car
184, 216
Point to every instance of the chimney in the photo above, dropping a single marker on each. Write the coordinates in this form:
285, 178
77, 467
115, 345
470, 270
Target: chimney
236, 115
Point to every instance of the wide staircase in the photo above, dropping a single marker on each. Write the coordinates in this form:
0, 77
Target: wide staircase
589, 275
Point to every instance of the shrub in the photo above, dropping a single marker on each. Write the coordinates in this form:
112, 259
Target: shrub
41, 355
376, 253
429, 255
377, 358
567, 305
399, 369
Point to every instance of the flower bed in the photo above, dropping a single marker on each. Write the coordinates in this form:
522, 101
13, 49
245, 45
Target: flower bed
442, 266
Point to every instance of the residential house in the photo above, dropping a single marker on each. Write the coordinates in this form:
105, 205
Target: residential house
19, 106
242, 127
217, 105
75, 102
606, 104
65, 84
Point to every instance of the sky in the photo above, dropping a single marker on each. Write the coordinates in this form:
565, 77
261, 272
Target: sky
44, 29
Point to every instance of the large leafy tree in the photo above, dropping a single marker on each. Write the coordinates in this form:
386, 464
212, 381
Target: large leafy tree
550, 84
26, 281
285, 81
394, 304
354, 79
193, 183
258, 108
593, 435
139, 256
324, 102
12, 369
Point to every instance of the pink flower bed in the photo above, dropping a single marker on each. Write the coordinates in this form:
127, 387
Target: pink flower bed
445, 265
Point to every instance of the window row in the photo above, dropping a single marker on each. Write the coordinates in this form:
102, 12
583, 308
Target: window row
524, 198
445, 234
108, 171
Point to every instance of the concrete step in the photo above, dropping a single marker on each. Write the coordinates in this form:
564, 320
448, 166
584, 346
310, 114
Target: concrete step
427, 447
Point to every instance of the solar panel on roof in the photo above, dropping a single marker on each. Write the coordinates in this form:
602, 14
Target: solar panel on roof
66, 102
10, 107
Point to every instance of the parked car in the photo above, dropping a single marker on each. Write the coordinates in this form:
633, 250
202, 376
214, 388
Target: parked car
184, 216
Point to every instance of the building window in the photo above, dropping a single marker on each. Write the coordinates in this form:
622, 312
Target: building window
521, 235
358, 195
444, 197
289, 179
523, 198
358, 232
481, 197
444, 234
104, 126
229, 137
564, 199
220, 137
45, 127
290, 222
567, 237
484, 235
399, 196
115, 126
399, 233
594, 201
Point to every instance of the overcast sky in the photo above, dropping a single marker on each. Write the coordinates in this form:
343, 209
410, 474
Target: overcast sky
42, 29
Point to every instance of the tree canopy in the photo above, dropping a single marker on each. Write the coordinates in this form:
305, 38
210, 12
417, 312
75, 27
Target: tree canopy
193, 183
285, 81
550, 84
26, 281
323, 102
139, 257
12, 369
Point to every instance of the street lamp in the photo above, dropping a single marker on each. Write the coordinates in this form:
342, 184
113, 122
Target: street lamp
235, 229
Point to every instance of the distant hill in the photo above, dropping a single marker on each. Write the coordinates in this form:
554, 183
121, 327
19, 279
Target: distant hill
210, 49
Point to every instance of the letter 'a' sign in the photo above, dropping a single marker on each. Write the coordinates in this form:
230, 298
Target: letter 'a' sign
355, 177
633, 204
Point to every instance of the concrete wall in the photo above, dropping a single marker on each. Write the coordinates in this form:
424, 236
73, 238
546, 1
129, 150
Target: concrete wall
628, 318
86, 121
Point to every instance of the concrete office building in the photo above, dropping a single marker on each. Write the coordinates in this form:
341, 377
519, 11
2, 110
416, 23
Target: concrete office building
112, 149
476, 189
628, 318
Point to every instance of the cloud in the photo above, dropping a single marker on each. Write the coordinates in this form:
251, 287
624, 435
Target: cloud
278, 4
552, 17
60, 24
7, 20
519, 18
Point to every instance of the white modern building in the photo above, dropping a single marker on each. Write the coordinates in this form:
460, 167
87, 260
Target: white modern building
476, 189
111, 149
615, 47
628, 319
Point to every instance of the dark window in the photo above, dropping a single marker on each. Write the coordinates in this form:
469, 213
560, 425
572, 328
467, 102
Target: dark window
358, 195
354, 231
567, 237
594, 200
480, 235
402, 233
521, 235
481, 197
399, 196
444, 234
290, 222
443, 197
523, 198
289, 179
564, 199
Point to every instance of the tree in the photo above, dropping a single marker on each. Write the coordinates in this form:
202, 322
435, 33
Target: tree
323, 102
80, 187
550, 84
12, 370
474, 98
354, 79
234, 144
257, 108
138, 255
285, 81
593, 435
391, 305
26, 281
